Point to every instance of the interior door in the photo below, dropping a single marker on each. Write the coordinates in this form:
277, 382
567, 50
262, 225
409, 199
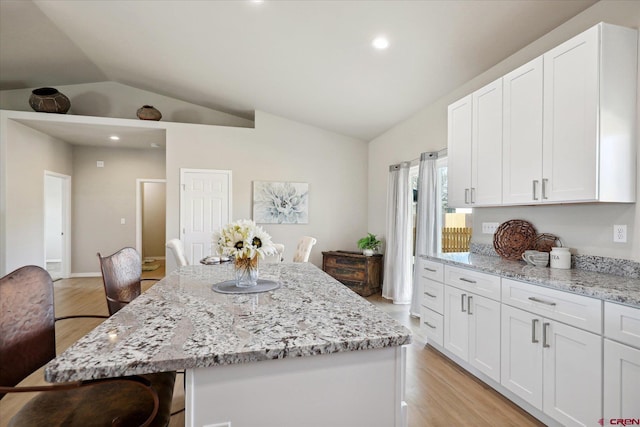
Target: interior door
57, 202
205, 206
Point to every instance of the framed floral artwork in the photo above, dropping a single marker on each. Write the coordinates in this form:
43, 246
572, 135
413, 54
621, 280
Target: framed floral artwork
280, 202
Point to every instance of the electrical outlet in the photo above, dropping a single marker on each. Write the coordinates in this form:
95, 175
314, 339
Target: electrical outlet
620, 233
489, 227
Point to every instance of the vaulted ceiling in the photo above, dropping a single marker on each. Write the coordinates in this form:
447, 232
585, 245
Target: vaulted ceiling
310, 61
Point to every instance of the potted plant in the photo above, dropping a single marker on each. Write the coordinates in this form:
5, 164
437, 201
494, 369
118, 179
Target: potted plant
369, 244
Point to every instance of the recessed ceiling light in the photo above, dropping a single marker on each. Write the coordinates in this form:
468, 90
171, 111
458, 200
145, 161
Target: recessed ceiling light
114, 138
257, 1
380, 42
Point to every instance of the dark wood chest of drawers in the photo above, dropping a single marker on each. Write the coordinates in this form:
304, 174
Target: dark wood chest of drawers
362, 274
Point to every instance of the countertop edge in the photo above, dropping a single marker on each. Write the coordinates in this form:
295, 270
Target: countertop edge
595, 285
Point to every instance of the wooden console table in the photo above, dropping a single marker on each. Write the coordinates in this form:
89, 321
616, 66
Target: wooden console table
362, 274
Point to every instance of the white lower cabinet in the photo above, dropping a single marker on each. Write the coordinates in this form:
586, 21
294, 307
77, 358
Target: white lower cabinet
621, 381
555, 367
621, 362
472, 329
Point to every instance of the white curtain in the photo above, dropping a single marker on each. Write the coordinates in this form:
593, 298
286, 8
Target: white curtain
426, 220
397, 263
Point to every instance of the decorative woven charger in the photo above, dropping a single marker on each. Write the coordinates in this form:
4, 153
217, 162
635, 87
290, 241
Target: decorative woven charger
513, 237
544, 242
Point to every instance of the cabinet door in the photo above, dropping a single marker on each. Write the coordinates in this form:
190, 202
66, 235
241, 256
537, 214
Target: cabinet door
621, 381
486, 142
484, 335
572, 360
521, 354
456, 329
522, 134
459, 153
570, 161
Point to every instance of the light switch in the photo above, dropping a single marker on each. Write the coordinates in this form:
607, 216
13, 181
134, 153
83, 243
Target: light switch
122, 221
100, 163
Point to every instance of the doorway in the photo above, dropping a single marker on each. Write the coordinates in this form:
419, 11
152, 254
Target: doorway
151, 217
57, 220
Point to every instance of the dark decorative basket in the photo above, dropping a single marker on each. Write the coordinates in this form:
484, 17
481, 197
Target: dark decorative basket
513, 237
544, 242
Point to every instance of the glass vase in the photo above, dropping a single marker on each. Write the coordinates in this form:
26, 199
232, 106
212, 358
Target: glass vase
246, 272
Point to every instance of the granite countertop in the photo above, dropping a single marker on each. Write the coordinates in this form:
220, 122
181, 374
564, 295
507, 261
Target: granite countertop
607, 287
180, 323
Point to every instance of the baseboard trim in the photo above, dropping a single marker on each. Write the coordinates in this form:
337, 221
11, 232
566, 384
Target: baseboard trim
73, 275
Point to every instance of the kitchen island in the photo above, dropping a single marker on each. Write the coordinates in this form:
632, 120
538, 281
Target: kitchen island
310, 353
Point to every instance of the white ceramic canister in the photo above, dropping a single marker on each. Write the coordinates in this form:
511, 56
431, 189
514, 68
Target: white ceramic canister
560, 258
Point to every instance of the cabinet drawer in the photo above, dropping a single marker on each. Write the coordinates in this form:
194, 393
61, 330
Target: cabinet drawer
346, 274
482, 284
431, 270
350, 263
432, 295
576, 310
432, 325
622, 323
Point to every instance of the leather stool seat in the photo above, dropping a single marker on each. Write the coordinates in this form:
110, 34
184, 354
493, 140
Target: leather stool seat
104, 404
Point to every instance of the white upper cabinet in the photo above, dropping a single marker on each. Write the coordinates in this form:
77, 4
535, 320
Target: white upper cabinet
589, 117
459, 153
522, 135
475, 148
486, 143
568, 123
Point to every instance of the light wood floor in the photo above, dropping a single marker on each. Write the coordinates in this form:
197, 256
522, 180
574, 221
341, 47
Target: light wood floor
439, 393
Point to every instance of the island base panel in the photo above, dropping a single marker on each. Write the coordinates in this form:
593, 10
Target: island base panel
355, 388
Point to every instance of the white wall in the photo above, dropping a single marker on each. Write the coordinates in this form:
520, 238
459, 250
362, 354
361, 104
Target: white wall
101, 197
30, 153
587, 228
111, 99
278, 149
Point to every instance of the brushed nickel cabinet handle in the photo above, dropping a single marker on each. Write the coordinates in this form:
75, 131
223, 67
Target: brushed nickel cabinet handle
429, 325
535, 187
545, 181
534, 322
466, 196
469, 299
541, 301
462, 297
545, 328
430, 269
467, 280
473, 195
429, 295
